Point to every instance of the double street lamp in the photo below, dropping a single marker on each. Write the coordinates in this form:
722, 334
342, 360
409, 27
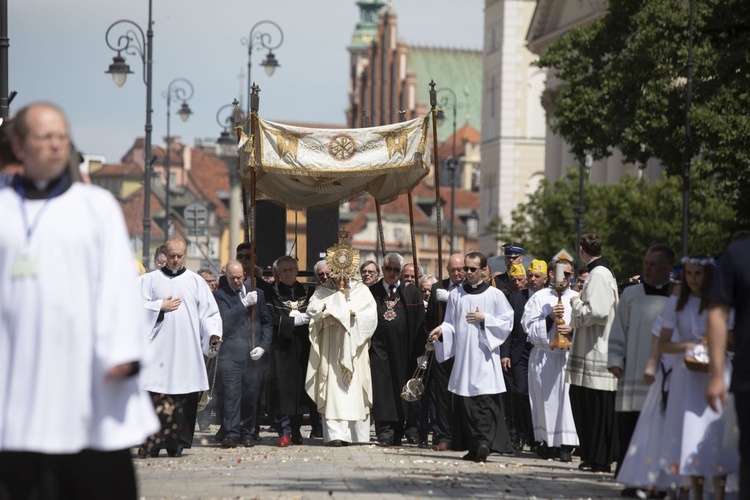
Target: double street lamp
260, 38
226, 119
179, 88
449, 101
133, 42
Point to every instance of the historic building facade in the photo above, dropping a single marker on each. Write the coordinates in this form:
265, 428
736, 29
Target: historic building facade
513, 126
552, 19
389, 81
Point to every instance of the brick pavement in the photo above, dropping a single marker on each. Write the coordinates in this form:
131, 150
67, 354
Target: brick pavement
313, 471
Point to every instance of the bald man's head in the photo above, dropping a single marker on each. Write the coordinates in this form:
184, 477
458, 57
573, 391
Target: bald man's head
235, 274
455, 268
176, 248
40, 141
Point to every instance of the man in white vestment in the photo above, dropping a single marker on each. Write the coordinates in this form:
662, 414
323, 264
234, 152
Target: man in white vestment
342, 321
630, 341
548, 392
70, 328
184, 324
477, 321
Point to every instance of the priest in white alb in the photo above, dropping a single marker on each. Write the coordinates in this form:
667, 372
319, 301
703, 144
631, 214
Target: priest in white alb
548, 392
184, 324
478, 319
71, 341
343, 318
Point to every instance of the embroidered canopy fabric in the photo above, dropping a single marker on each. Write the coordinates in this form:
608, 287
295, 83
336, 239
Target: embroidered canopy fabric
313, 168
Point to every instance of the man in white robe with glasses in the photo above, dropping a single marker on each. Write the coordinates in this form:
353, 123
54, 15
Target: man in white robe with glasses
478, 319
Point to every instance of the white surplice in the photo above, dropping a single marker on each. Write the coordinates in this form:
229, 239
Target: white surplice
176, 344
548, 392
476, 347
630, 339
338, 372
64, 326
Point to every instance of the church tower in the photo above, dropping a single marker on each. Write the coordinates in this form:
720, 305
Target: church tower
364, 34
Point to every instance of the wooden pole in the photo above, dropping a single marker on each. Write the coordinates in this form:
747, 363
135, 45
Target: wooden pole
415, 258
254, 101
380, 229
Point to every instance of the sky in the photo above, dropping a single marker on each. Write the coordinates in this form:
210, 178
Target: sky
58, 53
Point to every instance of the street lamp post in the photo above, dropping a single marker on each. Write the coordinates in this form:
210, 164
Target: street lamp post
180, 88
586, 165
4, 45
687, 155
228, 151
452, 162
266, 40
134, 42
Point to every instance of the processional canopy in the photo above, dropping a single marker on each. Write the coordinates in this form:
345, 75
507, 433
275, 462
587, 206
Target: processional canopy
315, 168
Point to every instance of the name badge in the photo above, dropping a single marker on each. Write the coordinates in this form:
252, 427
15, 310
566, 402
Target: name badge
24, 267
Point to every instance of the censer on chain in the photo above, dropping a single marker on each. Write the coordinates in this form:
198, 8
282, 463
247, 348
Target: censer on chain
414, 387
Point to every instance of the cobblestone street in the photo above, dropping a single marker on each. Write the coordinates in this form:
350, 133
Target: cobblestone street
313, 470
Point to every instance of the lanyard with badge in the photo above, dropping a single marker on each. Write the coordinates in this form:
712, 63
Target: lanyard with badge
25, 265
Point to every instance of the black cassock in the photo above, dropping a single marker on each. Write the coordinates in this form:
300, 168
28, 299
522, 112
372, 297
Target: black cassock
516, 404
290, 350
394, 349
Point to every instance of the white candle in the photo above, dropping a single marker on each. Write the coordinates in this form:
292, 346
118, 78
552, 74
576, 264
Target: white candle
559, 274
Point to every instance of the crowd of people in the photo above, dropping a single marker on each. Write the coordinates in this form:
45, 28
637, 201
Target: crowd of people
541, 359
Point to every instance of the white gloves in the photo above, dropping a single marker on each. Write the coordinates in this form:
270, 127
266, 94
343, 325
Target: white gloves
257, 353
442, 294
422, 362
301, 319
250, 299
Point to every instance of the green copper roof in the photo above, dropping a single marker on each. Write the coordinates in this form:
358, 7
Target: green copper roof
458, 69
367, 27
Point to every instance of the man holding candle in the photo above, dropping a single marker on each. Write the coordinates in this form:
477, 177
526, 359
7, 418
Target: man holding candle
551, 413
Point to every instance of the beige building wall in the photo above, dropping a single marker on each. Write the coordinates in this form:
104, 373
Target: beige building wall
551, 20
513, 120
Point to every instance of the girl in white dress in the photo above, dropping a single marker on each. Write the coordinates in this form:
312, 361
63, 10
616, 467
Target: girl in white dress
693, 434
640, 468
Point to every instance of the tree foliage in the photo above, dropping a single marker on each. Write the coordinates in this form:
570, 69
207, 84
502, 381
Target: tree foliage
625, 88
629, 217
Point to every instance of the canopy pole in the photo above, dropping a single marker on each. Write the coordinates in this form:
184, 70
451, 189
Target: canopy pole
415, 259
254, 101
438, 217
380, 229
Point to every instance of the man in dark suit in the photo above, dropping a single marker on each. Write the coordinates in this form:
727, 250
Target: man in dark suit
442, 399
394, 349
287, 300
244, 344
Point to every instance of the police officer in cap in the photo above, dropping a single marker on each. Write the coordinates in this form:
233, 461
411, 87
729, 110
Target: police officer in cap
513, 255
